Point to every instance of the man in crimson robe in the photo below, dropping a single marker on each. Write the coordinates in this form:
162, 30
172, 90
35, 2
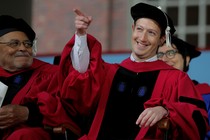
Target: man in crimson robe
125, 101
28, 86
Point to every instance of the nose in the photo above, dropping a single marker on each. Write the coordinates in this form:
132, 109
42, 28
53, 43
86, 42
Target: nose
164, 58
143, 36
21, 46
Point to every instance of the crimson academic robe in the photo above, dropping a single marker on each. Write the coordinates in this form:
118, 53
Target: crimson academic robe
83, 93
39, 95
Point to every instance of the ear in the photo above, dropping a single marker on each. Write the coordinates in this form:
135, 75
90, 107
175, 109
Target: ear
187, 60
133, 27
162, 40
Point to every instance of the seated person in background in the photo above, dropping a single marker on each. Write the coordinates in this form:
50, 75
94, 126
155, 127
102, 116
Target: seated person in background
179, 55
27, 83
140, 91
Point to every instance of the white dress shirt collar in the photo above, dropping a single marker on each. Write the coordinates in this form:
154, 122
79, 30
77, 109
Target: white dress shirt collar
154, 58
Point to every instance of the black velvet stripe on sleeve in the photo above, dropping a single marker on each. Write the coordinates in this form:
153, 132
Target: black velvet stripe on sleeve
197, 102
200, 123
35, 117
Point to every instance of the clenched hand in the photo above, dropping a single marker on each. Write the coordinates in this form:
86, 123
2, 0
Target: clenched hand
11, 115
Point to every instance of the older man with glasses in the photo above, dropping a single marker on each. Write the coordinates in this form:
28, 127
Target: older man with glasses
25, 84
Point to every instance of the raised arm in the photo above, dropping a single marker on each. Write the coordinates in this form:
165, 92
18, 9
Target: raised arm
80, 54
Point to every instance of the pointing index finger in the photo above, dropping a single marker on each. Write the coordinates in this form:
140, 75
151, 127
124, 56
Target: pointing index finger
78, 12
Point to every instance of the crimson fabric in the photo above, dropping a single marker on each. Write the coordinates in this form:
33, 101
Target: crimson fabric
88, 91
203, 88
28, 133
41, 89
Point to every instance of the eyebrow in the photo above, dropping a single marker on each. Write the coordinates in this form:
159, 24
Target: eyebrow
166, 51
149, 29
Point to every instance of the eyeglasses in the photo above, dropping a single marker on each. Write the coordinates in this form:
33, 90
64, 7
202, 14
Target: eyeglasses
17, 43
169, 54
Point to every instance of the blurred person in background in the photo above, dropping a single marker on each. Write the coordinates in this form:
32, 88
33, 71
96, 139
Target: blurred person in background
179, 55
